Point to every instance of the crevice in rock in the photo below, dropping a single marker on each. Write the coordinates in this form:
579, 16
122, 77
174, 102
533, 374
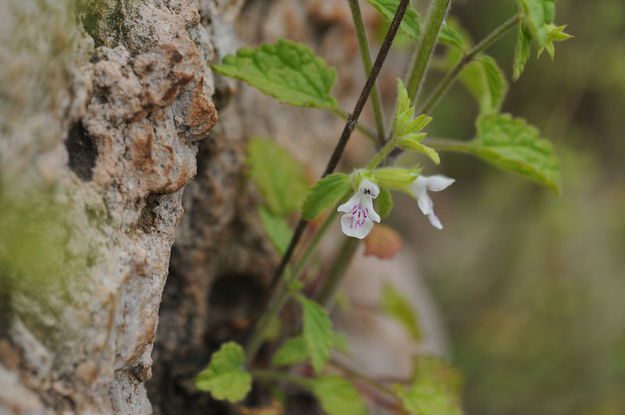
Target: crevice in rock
82, 151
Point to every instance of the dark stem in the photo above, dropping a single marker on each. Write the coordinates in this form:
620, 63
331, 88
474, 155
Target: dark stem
352, 119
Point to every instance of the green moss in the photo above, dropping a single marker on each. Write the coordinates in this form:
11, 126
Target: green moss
103, 20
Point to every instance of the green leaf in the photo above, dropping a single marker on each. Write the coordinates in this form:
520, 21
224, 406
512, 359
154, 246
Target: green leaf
396, 178
404, 122
280, 178
291, 352
318, 333
338, 396
427, 398
384, 203
395, 305
225, 377
410, 23
535, 15
522, 51
326, 193
414, 144
452, 37
486, 82
512, 144
285, 70
276, 228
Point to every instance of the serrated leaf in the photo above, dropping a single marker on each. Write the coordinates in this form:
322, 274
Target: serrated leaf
535, 15
384, 203
396, 178
404, 122
427, 398
276, 228
396, 306
409, 25
326, 193
338, 396
486, 82
291, 352
318, 335
512, 144
279, 177
285, 70
522, 51
438, 370
225, 377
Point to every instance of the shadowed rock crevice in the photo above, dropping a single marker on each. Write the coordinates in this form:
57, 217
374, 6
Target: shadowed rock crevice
82, 151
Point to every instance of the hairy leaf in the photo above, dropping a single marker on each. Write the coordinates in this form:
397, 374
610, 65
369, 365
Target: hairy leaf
324, 194
279, 177
486, 82
276, 228
285, 70
291, 352
427, 398
225, 377
512, 144
318, 333
452, 37
410, 24
522, 51
338, 396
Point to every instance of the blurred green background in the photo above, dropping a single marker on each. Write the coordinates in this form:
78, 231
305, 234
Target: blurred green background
532, 285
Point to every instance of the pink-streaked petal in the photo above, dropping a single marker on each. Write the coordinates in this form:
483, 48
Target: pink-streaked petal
349, 205
350, 227
371, 213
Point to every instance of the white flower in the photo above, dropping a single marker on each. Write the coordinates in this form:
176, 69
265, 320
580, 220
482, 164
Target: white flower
359, 214
419, 189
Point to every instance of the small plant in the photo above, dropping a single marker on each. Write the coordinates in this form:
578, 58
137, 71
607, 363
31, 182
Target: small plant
292, 74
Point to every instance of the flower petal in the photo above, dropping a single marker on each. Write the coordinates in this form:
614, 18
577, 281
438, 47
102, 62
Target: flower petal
368, 205
425, 203
435, 221
351, 228
438, 182
349, 205
367, 187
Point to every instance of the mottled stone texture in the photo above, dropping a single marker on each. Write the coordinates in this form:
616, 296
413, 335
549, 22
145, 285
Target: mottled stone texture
108, 113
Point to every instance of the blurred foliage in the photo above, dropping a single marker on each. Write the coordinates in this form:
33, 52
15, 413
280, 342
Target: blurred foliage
531, 283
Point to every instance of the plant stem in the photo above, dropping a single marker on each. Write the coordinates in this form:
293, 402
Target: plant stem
433, 25
365, 54
352, 119
443, 87
336, 272
366, 131
445, 144
275, 376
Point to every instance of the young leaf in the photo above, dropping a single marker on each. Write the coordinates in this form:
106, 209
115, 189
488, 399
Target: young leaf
318, 333
396, 178
396, 306
536, 14
512, 144
486, 82
522, 51
383, 242
225, 377
285, 70
427, 398
410, 23
280, 178
384, 203
291, 352
325, 193
413, 142
276, 228
404, 122
338, 396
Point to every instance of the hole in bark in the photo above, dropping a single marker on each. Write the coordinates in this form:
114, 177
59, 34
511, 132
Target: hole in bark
82, 151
